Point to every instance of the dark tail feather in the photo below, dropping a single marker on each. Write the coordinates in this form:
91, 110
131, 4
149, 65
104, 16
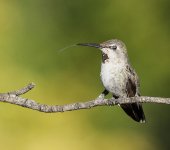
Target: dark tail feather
135, 111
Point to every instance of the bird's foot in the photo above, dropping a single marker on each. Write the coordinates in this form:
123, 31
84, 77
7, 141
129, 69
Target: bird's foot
112, 102
100, 97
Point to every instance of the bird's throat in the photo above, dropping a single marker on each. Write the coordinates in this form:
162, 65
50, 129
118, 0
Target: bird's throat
104, 57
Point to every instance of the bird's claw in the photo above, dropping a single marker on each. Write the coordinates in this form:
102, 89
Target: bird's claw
100, 97
112, 102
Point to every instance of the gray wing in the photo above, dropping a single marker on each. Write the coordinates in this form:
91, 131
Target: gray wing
133, 82
134, 110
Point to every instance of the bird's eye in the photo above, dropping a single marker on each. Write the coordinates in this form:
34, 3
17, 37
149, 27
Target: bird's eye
114, 47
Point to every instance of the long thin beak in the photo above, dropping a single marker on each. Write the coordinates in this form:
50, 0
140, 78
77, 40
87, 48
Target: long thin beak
90, 45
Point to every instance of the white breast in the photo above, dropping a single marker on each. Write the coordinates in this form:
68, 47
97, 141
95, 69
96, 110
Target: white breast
113, 76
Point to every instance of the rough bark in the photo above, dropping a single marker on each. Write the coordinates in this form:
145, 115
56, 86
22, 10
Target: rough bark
14, 98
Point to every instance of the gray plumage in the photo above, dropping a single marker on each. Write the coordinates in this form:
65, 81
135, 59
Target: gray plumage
118, 77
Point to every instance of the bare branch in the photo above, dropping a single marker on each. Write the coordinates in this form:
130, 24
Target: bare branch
23, 90
14, 98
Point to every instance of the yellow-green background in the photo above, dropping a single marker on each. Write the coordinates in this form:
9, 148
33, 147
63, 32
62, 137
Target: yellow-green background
32, 32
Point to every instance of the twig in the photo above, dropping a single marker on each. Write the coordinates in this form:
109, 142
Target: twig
14, 98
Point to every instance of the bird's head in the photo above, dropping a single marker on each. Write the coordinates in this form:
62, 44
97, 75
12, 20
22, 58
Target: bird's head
112, 48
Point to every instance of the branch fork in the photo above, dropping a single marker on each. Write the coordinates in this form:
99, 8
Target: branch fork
15, 98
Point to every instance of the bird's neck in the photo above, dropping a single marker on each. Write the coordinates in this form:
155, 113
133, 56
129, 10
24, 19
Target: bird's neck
114, 60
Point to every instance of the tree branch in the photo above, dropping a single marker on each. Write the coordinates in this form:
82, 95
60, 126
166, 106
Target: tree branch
14, 98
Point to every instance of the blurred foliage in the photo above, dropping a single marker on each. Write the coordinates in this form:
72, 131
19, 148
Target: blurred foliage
31, 34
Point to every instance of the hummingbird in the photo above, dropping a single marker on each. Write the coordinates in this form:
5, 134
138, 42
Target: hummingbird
118, 76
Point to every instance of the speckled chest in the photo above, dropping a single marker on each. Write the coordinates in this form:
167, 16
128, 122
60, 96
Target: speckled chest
114, 76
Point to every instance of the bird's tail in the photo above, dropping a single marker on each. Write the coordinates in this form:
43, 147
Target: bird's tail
135, 111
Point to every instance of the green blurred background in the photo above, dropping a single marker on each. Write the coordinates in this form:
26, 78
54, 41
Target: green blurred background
32, 32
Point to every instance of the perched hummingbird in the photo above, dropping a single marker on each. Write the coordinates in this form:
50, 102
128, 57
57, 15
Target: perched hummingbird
118, 76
